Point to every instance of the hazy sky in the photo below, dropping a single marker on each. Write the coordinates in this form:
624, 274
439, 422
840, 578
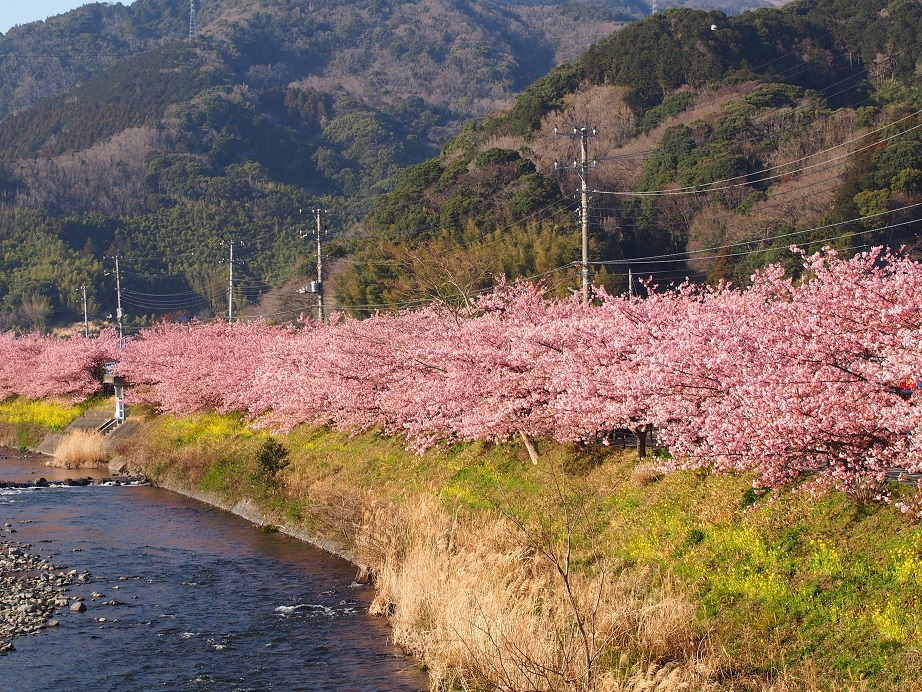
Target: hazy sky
13, 12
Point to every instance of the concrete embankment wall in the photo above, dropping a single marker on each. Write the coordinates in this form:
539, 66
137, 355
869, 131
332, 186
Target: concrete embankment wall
249, 511
94, 419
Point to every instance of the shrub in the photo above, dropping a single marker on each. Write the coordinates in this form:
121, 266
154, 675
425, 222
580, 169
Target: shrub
272, 457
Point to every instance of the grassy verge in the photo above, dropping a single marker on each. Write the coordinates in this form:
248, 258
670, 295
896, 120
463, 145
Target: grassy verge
584, 571
24, 423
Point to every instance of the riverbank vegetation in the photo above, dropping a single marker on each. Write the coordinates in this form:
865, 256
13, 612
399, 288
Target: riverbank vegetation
24, 422
584, 571
80, 449
588, 570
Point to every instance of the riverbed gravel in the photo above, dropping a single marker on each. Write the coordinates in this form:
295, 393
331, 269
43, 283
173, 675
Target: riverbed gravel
32, 589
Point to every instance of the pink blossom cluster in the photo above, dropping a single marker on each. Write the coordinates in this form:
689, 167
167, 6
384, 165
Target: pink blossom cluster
184, 368
787, 379
38, 367
782, 378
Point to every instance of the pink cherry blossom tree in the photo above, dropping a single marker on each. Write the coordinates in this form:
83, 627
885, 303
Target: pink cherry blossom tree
786, 379
66, 368
801, 382
184, 368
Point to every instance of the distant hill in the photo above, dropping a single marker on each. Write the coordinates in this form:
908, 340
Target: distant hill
721, 142
161, 151
377, 52
121, 136
358, 47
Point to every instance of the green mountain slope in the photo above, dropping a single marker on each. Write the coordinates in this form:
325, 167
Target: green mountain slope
721, 141
152, 148
165, 155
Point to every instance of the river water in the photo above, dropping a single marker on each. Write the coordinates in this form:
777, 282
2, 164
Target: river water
207, 600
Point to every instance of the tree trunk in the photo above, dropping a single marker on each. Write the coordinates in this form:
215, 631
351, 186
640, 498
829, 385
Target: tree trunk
530, 446
641, 433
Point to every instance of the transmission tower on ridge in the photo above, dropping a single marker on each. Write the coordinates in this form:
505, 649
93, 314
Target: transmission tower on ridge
193, 29
653, 10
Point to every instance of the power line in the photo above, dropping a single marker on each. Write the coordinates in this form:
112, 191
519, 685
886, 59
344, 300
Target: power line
747, 181
683, 257
764, 116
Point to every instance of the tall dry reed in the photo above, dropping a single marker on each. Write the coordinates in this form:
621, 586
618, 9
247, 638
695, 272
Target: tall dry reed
479, 603
80, 449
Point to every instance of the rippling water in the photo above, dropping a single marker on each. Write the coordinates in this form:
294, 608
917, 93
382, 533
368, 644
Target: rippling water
210, 602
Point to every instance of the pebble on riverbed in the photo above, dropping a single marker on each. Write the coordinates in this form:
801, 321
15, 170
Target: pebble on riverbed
30, 590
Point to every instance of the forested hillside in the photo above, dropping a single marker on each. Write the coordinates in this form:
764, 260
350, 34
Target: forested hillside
42, 59
122, 137
719, 143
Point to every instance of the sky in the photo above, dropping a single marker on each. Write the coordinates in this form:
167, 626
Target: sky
13, 12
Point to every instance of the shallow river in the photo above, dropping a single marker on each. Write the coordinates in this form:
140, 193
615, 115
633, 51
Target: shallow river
210, 602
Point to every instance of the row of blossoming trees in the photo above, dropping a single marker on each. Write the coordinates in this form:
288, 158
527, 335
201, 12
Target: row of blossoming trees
782, 378
40, 367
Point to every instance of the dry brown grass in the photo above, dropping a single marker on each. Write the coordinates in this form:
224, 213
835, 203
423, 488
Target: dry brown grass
653, 678
642, 476
80, 449
478, 603
478, 599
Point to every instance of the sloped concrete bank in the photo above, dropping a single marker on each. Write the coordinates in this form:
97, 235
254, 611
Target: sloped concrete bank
98, 418
248, 510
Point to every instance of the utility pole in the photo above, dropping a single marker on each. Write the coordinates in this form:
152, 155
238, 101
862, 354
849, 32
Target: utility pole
630, 283
317, 286
118, 312
317, 213
193, 28
582, 168
230, 283
86, 318
230, 275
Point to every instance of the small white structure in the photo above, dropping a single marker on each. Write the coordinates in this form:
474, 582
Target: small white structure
119, 383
